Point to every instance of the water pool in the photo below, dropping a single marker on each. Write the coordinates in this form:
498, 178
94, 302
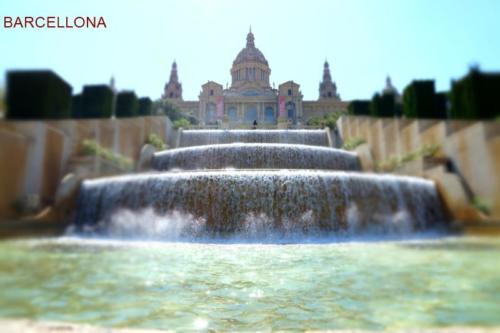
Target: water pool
242, 287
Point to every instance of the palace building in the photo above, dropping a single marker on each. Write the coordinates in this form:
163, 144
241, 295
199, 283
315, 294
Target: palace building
250, 96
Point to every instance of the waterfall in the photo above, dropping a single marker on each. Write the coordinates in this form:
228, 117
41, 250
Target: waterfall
306, 199
256, 184
191, 138
256, 156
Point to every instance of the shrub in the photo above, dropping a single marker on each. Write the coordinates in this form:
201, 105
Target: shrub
183, 122
127, 104
169, 109
329, 120
352, 143
145, 106
37, 95
482, 205
476, 96
91, 147
155, 140
395, 162
192, 120
172, 111
97, 102
315, 121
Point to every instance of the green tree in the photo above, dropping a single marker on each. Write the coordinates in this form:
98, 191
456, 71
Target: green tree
172, 111
183, 122
328, 120
167, 108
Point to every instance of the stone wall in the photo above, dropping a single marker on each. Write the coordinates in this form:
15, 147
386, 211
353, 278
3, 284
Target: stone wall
473, 147
35, 155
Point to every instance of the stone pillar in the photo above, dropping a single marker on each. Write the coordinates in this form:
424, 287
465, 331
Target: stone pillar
116, 136
36, 154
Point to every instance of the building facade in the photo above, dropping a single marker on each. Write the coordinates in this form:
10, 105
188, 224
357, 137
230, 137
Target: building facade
251, 98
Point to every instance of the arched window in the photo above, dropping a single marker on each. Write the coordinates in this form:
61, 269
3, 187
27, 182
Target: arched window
329, 94
269, 115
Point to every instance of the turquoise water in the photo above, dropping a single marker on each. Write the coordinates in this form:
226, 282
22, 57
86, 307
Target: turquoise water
188, 286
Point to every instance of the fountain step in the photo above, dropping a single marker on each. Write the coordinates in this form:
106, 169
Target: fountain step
256, 156
262, 201
190, 138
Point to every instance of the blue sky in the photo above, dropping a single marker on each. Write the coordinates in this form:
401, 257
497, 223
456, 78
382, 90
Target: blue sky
363, 41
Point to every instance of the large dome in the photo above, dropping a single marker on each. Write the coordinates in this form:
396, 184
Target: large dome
250, 53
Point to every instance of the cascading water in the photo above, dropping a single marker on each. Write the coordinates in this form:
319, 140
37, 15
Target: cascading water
227, 199
191, 138
256, 190
256, 156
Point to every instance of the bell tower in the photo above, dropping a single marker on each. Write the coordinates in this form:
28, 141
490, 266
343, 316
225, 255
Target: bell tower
327, 87
173, 88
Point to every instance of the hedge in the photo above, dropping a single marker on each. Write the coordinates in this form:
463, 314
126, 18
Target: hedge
145, 106
97, 102
476, 96
38, 94
127, 104
419, 100
441, 105
359, 108
383, 105
77, 106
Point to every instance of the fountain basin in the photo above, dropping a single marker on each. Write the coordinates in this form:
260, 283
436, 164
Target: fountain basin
308, 287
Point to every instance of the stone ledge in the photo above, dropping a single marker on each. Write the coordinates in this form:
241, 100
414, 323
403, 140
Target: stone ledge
31, 326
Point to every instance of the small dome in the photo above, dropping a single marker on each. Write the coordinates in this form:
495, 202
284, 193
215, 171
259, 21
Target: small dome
250, 53
389, 88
